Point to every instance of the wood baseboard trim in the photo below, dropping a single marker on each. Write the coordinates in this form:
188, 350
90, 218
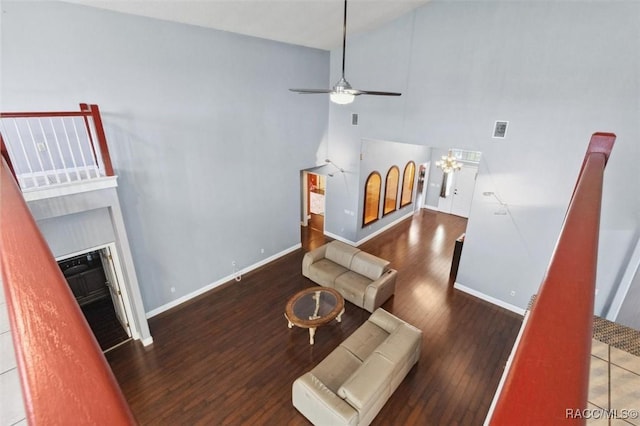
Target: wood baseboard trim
223, 280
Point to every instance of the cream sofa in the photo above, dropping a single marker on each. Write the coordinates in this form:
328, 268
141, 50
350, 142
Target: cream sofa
362, 279
352, 384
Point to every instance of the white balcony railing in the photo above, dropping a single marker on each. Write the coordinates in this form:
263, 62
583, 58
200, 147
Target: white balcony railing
52, 148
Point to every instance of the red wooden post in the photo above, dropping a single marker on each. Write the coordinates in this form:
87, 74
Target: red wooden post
100, 134
65, 377
548, 381
5, 154
102, 139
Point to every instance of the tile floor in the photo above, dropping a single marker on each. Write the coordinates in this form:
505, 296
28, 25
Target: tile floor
11, 406
614, 386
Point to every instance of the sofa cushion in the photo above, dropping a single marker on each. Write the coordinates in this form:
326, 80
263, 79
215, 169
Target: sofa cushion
336, 368
365, 340
340, 253
352, 286
368, 384
401, 345
368, 265
324, 272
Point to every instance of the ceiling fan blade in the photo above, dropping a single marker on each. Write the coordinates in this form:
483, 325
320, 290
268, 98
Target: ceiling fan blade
311, 91
373, 92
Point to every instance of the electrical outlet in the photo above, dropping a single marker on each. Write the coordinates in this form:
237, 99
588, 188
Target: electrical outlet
513, 293
41, 147
173, 289
261, 250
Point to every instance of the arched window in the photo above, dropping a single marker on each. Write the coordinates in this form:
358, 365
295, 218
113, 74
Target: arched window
391, 190
407, 184
371, 198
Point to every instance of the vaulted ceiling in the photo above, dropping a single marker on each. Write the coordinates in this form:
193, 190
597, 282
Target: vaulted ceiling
312, 23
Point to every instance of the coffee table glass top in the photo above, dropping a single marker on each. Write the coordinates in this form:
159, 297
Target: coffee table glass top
314, 305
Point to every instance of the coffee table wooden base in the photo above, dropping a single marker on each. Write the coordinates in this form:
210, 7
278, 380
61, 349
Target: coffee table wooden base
304, 309
312, 330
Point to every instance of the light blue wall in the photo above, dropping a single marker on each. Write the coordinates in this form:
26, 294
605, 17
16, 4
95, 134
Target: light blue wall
557, 71
205, 137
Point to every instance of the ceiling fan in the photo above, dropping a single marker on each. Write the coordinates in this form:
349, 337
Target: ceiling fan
342, 93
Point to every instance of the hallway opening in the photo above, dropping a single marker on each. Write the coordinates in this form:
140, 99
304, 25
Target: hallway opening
92, 280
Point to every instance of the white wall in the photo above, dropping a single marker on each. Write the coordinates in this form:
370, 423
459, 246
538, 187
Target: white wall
557, 71
205, 137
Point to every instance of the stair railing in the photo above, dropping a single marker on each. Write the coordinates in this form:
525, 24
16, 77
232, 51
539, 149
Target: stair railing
546, 380
51, 148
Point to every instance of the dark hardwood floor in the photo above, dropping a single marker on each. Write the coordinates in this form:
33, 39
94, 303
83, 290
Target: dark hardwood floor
102, 319
227, 357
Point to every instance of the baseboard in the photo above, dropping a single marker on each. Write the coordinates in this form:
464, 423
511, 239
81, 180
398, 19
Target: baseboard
428, 207
370, 236
489, 299
339, 238
219, 282
384, 228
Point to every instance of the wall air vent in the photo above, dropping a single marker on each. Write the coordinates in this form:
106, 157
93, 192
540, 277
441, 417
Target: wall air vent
500, 129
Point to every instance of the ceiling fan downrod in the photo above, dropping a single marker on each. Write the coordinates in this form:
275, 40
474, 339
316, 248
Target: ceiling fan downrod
342, 93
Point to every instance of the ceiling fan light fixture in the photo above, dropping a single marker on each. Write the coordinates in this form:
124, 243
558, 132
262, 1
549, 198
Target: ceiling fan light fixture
342, 93
341, 98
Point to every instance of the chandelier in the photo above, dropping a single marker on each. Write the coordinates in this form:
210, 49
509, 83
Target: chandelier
448, 163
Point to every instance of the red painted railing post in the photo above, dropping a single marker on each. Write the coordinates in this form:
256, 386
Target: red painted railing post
102, 139
547, 381
5, 154
100, 134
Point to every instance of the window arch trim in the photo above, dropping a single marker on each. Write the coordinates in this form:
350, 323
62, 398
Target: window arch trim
406, 196
368, 216
389, 208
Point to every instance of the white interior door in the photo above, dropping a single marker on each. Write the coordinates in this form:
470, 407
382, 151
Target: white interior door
464, 183
114, 288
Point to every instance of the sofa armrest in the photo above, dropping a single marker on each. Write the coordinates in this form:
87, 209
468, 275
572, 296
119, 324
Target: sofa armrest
380, 290
311, 257
319, 404
386, 321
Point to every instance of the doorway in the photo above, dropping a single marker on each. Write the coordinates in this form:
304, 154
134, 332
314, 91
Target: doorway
93, 280
459, 191
314, 186
421, 191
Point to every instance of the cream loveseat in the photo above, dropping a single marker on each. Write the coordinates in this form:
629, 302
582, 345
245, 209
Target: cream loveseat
352, 384
362, 279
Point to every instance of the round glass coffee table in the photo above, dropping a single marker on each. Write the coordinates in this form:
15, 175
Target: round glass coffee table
313, 307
